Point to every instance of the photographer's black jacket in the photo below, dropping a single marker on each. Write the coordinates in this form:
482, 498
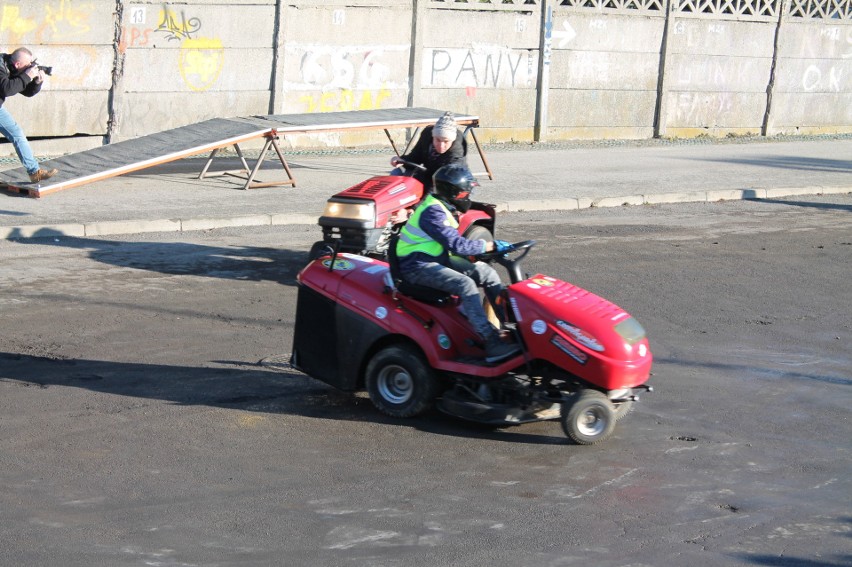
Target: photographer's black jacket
14, 82
424, 153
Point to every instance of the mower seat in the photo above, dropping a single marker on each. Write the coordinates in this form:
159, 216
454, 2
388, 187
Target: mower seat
422, 293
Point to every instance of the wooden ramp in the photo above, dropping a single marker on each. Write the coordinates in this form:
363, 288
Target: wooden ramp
211, 136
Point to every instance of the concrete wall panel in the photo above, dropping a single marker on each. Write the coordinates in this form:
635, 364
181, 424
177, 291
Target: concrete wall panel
479, 66
144, 113
713, 111
504, 114
607, 32
343, 99
718, 73
36, 23
595, 70
604, 108
48, 113
722, 37
77, 67
465, 28
197, 67
815, 111
167, 25
603, 74
813, 82
330, 64
814, 76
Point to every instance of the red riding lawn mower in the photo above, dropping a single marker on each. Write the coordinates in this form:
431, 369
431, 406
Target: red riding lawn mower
358, 326
362, 218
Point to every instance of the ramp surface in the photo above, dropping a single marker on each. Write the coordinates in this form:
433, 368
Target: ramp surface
154, 149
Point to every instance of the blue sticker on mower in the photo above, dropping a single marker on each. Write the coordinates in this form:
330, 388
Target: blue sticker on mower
339, 264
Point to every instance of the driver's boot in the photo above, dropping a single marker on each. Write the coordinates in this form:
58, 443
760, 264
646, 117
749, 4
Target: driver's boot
496, 350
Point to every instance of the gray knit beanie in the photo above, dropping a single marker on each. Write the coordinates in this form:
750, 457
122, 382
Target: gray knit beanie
445, 127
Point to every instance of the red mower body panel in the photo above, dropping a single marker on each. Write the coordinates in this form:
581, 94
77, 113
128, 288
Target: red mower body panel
581, 332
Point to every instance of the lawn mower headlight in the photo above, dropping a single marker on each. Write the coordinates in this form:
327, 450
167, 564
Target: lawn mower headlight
350, 211
631, 331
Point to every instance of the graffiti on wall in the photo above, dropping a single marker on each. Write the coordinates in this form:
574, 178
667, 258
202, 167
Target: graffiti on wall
338, 78
718, 73
201, 62
828, 42
700, 109
200, 59
479, 67
177, 26
58, 21
817, 79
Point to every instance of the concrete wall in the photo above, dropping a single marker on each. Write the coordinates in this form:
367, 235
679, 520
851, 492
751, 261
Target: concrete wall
717, 72
483, 63
343, 56
604, 74
813, 83
531, 69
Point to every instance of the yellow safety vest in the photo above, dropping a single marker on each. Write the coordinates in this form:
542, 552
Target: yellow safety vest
412, 238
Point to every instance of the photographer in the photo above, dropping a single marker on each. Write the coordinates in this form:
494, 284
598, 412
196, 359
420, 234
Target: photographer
20, 74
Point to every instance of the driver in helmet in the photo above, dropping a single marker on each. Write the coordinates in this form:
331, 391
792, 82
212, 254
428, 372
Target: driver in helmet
431, 253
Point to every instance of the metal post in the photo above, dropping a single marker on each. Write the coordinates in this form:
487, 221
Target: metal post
543, 80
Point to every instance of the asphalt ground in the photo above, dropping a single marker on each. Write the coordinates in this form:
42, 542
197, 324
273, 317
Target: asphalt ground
148, 415
567, 176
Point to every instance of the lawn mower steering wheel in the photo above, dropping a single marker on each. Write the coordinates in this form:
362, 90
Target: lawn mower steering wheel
411, 164
523, 246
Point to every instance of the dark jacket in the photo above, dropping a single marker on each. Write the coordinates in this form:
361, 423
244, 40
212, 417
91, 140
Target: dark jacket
424, 153
14, 82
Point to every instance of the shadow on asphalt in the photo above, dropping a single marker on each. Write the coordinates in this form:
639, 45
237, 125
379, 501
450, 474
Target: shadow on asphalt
244, 387
792, 561
792, 163
811, 205
248, 263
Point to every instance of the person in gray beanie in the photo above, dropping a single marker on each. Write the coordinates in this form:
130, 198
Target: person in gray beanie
439, 145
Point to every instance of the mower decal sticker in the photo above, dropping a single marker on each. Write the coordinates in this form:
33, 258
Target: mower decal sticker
533, 285
643, 350
569, 349
621, 315
397, 189
381, 312
538, 327
581, 336
408, 199
339, 264
543, 282
444, 341
377, 269
515, 310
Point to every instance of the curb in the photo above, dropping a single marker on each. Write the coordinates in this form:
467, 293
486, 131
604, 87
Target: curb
107, 228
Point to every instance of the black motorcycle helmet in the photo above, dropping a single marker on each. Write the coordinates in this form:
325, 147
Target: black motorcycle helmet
453, 184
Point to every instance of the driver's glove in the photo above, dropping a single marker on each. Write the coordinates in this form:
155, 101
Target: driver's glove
501, 245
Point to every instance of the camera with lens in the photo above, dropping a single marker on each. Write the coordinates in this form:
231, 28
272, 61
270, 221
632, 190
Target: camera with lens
44, 68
